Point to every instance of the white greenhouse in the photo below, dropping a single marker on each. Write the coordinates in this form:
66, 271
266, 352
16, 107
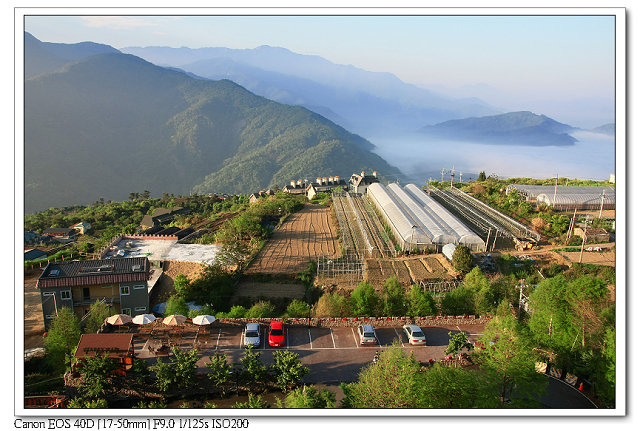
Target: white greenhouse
417, 221
568, 197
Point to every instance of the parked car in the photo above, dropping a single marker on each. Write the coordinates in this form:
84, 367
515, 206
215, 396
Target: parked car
252, 334
367, 334
276, 334
415, 335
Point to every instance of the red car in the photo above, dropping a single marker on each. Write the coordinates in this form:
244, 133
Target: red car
276, 334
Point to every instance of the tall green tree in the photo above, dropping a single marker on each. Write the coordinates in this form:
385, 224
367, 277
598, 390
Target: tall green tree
98, 312
333, 305
62, 338
392, 382
507, 363
393, 298
179, 372
480, 285
441, 387
96, 372
421, 303
308, 397
287, 369
458, 302
219, 369
461, 259
365, 300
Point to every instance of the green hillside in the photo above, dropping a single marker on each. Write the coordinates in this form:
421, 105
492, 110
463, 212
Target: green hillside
111, 124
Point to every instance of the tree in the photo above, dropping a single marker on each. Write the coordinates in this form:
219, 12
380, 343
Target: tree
176, 305
507, 362
180, 372
479, 284
308, 397
218, 369
182, 285
392, 382
95, 372
365, 300
458, 302
421, 303
457, 342
333, 305
252, 366
63, 336
254, 402
461, 259
298, 308
482, 176
232, 254
261, 309
441, 387
98, 312
393, 298
288, 369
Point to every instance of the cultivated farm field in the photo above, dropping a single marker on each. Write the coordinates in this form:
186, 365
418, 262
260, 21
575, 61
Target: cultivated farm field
304, 236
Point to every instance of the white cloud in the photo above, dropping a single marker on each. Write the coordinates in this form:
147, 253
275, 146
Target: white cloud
116, 22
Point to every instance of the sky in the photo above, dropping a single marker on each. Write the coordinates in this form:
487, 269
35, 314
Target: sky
536, 57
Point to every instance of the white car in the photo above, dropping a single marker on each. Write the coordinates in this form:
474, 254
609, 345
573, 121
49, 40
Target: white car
415, 335
367, 334
252, 334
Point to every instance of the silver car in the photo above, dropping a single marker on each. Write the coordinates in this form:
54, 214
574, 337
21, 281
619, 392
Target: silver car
367, 334
252, 334
415, 335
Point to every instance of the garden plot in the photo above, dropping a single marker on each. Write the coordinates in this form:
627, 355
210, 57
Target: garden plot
304, 236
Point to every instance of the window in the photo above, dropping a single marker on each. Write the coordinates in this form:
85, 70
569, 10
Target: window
139, 286
141, 308
124, 290
126, 311
65, 294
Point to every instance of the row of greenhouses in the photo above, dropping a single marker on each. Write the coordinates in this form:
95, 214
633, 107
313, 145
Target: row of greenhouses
418, 221
568, 197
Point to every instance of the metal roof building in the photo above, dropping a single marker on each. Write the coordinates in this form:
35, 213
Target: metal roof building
568, 197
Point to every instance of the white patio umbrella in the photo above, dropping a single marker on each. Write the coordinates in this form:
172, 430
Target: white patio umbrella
119, 319
143, 319
174, 320
204, 319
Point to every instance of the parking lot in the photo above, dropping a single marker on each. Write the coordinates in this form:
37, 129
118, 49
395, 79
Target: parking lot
333, 354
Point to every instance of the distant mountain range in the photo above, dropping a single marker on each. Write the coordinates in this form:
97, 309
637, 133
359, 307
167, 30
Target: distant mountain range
104, 124
606, 129
368, 103
513, 128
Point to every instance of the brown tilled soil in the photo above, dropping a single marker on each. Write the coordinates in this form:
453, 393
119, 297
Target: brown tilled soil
304, 236
269, 290
33, 320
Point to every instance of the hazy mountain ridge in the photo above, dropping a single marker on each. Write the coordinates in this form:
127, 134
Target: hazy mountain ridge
111, 124
513, 128
371, 102
606, 129
44, 57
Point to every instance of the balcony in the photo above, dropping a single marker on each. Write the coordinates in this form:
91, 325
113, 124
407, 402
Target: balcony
91, 300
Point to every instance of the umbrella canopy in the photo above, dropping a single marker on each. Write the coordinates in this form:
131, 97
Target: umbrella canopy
174, 320
143, 319
119, 319
204, 319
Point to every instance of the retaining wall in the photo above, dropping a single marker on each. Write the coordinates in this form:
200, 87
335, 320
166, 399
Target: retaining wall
378, 322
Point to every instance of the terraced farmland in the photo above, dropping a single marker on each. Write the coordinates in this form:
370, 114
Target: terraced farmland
304, 236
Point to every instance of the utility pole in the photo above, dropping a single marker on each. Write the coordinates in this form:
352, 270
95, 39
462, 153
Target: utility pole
571, 225
555, 192
584, 238
453, 173
486, 247
460, 176
521, 287
442, 179
601, 204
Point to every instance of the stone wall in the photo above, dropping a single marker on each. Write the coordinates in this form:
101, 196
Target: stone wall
378, 322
